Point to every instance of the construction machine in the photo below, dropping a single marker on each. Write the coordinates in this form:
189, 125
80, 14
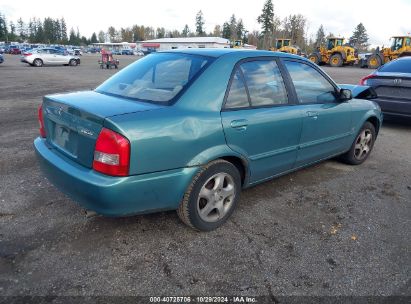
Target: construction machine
401, 46
336, 53
284, 45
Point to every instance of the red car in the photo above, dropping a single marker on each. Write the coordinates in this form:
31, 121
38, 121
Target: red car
15, 51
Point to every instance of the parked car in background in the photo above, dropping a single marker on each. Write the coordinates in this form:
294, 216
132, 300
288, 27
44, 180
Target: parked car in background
392, 83
77, 52
116, 52
14, 50
188, 129
127, 52
138, 53
1, 58
49, 56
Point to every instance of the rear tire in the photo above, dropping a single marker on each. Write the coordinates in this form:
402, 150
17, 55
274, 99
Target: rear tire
73, 62
211, 197
362, 145
374, 61
38, 62
336, 60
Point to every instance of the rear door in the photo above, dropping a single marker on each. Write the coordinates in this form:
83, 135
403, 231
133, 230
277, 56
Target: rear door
326, 126
259, 120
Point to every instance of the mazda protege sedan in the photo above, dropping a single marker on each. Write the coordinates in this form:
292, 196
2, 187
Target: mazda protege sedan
188, 129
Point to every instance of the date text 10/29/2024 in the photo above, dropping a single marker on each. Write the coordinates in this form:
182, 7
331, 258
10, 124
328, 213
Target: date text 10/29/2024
204, 299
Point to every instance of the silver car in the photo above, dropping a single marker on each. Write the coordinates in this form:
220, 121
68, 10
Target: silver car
49, 56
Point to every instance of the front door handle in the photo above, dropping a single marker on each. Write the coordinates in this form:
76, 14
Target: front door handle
239, 124
312, 114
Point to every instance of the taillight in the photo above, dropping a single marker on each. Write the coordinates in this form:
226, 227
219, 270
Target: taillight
41, 122
363, 81
27, 54
112, 154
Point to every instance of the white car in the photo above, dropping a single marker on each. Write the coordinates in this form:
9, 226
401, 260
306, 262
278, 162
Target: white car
138, 53
49, 56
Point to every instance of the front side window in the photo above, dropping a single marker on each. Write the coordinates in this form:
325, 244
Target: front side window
264, 82
155, 78
309, 84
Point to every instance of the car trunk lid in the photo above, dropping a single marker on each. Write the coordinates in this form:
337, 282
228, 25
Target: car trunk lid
74, 121
392, 85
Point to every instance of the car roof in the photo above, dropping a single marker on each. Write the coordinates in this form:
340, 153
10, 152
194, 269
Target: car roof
218, 52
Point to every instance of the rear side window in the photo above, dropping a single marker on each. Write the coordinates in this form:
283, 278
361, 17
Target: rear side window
237, 95
309, 84
397, 66
264, 82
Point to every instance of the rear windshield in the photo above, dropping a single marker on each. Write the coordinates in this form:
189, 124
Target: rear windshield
156, 78
397, 66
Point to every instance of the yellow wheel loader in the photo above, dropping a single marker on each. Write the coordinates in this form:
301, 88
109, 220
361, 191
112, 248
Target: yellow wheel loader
401, 46
284, 45
336, 54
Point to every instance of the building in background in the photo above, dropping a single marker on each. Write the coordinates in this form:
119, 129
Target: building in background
164, 44
114, 46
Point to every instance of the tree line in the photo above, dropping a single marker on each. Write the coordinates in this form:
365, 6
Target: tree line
294, 27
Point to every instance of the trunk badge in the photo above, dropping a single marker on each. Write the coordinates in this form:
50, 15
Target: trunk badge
86, 132
397, 81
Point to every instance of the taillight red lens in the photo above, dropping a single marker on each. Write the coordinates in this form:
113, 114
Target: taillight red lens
112, 154
363, 81
27, 54
41, 122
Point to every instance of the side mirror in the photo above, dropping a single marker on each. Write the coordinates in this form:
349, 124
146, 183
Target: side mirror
344, 95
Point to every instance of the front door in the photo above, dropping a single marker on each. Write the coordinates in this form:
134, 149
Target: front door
258, 120
327, 121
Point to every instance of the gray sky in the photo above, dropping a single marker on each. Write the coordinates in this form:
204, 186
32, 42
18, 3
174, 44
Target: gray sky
382, 19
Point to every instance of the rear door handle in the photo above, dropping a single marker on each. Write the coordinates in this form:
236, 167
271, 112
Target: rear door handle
239, 124
312, 114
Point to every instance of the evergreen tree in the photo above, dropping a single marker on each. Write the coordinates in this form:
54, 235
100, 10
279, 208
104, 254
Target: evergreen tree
217, 31
320, 38
72, 37
266, 19
241, 32
160, 32
233, 28
21, 29
12, 35
200, 24
63, 33
3, 28
186, 31
359, 38
101, 37
111, 32
226, 30
93, 38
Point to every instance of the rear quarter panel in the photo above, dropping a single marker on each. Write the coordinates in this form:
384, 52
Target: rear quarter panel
169, 138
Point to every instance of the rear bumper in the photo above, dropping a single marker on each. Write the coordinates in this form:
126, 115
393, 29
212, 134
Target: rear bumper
113, 196
394, 107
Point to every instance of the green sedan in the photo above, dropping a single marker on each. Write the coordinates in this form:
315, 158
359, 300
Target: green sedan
186, 130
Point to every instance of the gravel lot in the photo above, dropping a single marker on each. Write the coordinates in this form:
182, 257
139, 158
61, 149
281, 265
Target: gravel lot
327, 230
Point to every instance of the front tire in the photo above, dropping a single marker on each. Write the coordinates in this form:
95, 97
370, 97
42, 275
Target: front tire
362, 145
73, 62
314, 58
211, 197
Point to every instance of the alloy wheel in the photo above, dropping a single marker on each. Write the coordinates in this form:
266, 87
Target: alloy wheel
216, 197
